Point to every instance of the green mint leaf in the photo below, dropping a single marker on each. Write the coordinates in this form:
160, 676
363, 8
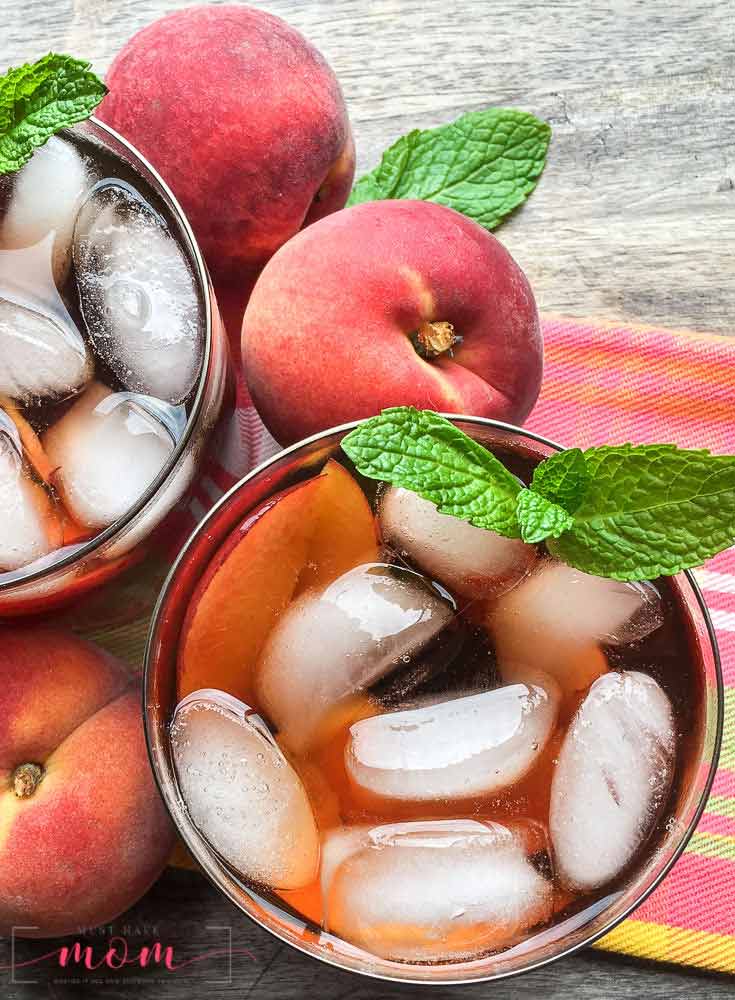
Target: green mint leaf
426, 453
540, 518
650, 510
484, 165
39, 99
563, 479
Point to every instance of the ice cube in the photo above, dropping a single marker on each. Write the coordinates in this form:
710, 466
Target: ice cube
29, 524
332, 644
169, 495
241, 793
434, 890
556, 618
108, 449
137, 294
454, 749
613, 777
40, 356
469, 560
338, 844
45, 198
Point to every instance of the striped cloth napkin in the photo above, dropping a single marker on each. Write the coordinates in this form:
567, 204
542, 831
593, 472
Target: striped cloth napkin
607, 385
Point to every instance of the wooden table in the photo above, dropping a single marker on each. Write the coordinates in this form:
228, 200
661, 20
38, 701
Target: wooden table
633, 220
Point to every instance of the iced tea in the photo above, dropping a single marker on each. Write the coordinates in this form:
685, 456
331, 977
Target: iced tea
421, 740
104, 337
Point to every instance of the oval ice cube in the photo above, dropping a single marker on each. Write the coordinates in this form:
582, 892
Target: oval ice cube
330, 645
40, 356
612, 780
435, 890
29, 524
45, 198
107, 450
137, 294
454, 749
464, 558
555, 619
241, 793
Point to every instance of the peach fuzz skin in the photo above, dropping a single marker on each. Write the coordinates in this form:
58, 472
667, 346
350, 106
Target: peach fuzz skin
94, 835
326, 334
246, 122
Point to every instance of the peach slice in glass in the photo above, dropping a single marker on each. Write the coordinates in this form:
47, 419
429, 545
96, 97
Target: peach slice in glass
32, 447
344, 533
288, 544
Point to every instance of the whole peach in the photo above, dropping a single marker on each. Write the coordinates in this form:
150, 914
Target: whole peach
83, 831
390, 303
243, 118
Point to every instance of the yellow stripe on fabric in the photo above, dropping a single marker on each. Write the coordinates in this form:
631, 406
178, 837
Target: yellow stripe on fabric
712, 845
671, 944
719, 805
727, 754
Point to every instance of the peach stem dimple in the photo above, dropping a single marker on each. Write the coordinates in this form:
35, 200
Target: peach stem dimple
26, 779
431, 340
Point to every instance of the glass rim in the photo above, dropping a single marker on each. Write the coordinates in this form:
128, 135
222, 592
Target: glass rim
202, 280
321, 954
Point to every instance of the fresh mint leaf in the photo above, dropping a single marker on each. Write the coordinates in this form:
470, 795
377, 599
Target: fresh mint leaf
650, 510
484, 165
540, 518
39, 99
639, 511
562, 479
426, 453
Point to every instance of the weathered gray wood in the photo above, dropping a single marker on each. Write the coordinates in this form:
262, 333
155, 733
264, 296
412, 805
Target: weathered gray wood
633, 219
634, 216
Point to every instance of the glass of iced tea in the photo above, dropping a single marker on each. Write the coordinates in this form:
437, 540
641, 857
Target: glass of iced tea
413, 748
113, 365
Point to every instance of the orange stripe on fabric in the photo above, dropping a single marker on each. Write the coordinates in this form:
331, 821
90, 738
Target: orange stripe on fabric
628, 398
704, 371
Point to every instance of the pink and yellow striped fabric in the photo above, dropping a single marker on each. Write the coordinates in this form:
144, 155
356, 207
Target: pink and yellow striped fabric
608, 385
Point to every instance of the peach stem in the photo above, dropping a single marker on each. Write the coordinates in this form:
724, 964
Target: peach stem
434, 339
26, 779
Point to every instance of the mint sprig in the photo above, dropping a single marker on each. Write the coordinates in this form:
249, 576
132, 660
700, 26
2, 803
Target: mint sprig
39, 99
562, 479
629, 512
650, 510
540, 518
425, 453
485, 164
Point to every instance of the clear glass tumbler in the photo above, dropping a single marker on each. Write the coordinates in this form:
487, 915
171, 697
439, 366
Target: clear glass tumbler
301, 462
60, 579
